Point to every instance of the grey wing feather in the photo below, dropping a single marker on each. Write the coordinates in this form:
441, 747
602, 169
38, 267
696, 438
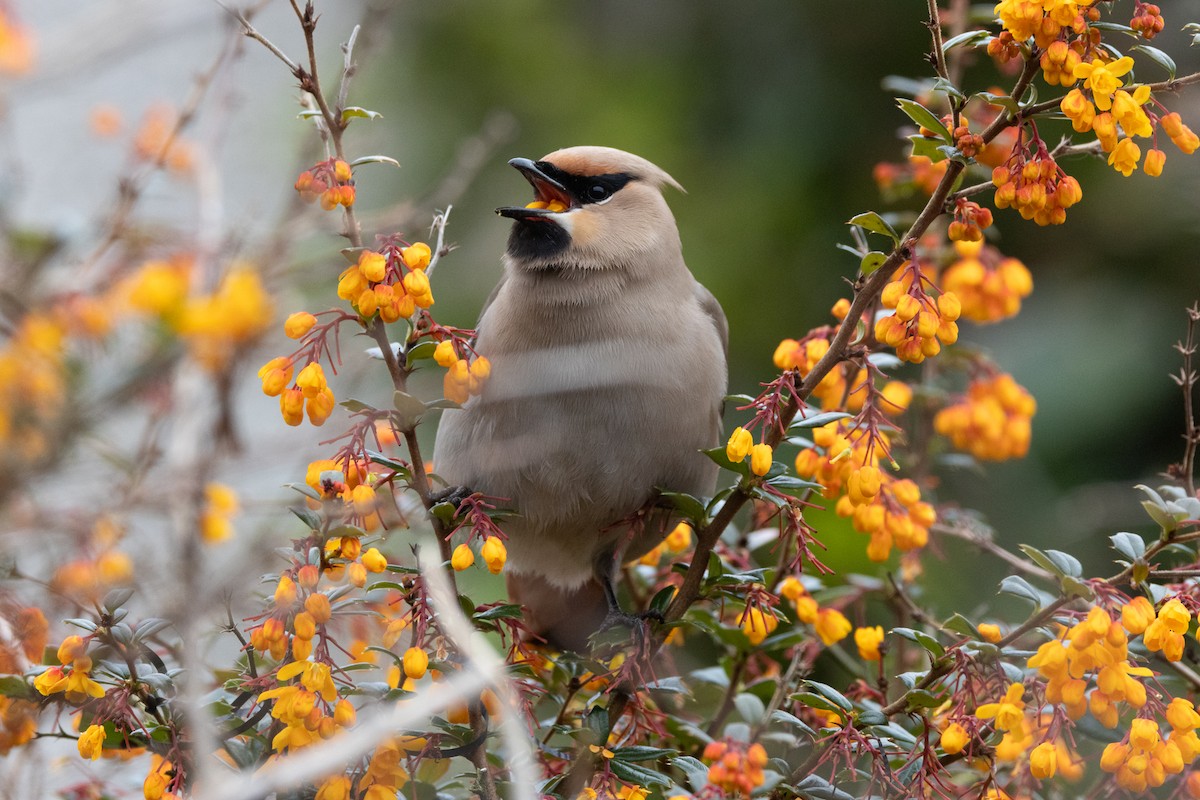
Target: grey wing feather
488, 303
711, 307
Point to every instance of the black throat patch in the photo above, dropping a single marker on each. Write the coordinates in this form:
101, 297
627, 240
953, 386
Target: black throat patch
537, 238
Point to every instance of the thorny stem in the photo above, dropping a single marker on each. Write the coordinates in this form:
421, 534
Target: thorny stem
1187, 380
935, 30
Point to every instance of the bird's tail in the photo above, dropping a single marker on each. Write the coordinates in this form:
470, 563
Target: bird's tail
565, 618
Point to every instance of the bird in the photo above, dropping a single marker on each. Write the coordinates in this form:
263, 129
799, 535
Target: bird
608, 374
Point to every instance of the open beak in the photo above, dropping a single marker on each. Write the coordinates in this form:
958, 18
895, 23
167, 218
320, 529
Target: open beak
551, 197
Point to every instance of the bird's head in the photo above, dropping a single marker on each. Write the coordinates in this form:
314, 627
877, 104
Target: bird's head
593, 208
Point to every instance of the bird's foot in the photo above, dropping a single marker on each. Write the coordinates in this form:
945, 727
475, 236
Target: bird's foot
451, 494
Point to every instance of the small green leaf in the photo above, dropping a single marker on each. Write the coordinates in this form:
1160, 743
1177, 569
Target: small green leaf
687, 505
308, 517
717, 454
15, 686
871, 221
1005, 101
1158, 57
642, 753
352, 531
923, 117
695, 770
949, 89
1073, 587
1042, 560
505, 611
409, 410
309, 113
354, 406
631, 773
830, 693
352, 254
355, 111
872, 261
420, 350
1067, 564
967, 39
923, 146
920, 698
870, 717
925, 640
1129, 545
960, 624
1018, 586
374, 160
818, 420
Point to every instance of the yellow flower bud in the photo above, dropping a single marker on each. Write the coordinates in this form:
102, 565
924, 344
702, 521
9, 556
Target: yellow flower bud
738, 447
417, 255
415, 663
317, 605
954, 738
444, 354
304, 626
285, 591
415, 283
374, 560
494, 554
868, 640
760, 459
372, 265
91, 742
462, 558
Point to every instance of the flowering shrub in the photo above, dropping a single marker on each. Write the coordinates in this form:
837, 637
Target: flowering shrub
364, 668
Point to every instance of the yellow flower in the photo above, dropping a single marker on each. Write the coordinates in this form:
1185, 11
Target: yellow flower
1043, 761
276, 374
760, 459
1009, 712
758, 624
374, 560
1137, 614
444, 354
738, 447
416, 255
494, 554
1103, 79
989, 632
832, 626
415, 663
334, 788
462, 558
1124, 158
298, 324
1153, 165
868, 641
954, 738
91, 742
372, 265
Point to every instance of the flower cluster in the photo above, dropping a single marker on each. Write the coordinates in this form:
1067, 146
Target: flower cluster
993, 421
741, 444
989, 286
463, 378
310, 392
969, 221
735, 768
332, 181
830, 624
1144, 759
1035, 186
391, 283
919, 325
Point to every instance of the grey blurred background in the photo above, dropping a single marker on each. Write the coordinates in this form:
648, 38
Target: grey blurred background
771, 114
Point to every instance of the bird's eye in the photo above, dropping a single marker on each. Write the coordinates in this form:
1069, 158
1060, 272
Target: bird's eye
598, 192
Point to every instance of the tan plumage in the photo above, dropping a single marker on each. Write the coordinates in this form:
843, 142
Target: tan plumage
608, 371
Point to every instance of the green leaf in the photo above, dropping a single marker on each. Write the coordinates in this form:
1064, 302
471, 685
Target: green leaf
1158, 57
717, 454
409, 410
819, 420
374, 160
354, 406
350, 112
642, 753
920, 698
506, 611
814, 700
929, 148
389, 462
695, 770
1129, 545
353, 531
814, 787
960, 624
871, 221
967, 39
304, 489
420, 350
923, 117
1005, 101
925, 640
830, 693
631, 773
1042, 560
870, 717
1076, 588
352, 254
872, 261
15, 686
1068, 564
309, 113
687, 505
308, 517
1018, 586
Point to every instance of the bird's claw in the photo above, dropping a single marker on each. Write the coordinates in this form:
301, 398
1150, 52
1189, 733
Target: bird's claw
451, 494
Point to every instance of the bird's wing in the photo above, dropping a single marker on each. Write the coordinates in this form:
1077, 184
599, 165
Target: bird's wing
710, 306
488, 303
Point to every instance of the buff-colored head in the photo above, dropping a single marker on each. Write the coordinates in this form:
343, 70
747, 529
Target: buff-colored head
594, 208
